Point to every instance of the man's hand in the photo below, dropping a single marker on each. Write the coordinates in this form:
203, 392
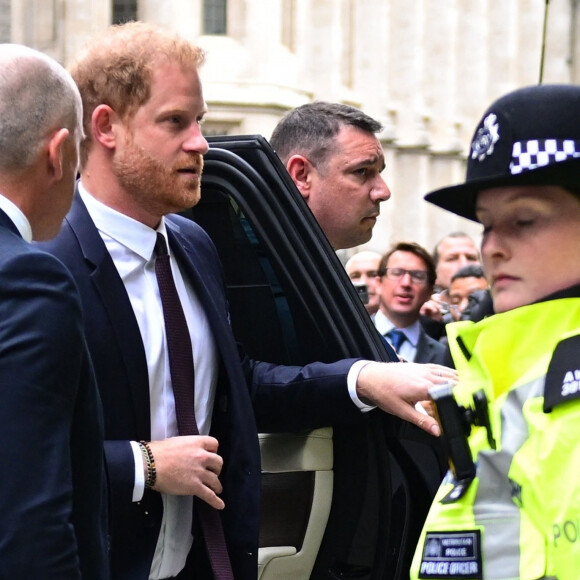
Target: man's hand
189, 465
437, 306
432, 309
397, 387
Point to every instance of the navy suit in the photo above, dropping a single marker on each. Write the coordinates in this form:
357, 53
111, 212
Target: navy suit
53, 489
250, 396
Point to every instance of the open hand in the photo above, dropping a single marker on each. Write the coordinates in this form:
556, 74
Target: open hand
397, 387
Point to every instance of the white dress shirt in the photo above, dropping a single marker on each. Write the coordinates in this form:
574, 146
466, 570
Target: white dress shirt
17, 217
131, 245
408, 350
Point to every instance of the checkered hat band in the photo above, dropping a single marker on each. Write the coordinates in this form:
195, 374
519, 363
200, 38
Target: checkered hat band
536, 153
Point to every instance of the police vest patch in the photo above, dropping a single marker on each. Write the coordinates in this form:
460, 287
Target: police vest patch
452, 555
563, 376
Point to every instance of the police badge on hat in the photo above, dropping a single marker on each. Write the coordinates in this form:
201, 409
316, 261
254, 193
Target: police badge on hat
485, 138
538, 144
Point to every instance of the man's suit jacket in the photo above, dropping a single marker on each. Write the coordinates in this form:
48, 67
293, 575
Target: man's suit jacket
53, 489
430, 350
250, 395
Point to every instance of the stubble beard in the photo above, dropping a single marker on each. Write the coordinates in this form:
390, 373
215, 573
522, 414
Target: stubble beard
157, 188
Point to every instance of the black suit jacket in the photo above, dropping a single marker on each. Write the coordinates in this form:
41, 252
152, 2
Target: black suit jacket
251, 395
53, 489
430, 350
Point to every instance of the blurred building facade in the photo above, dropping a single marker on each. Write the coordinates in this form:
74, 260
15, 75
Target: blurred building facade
426, 68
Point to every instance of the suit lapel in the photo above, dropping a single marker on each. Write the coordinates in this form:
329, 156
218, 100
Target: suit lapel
207, 286
424, 349
112, 293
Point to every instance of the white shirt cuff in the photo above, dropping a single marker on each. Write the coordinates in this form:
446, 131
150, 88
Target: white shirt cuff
351, 381
139, 488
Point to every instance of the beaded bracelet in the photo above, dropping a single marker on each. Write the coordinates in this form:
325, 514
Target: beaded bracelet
150, 461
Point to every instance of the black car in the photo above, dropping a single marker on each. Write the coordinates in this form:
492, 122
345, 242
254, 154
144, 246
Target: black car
347, 501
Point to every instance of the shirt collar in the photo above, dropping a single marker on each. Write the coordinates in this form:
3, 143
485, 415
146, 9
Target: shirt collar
128, 232
18, 218
384, 325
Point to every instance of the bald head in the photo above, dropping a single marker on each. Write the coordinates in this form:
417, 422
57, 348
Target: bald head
451, 253
37, 96
362, 268
40, 133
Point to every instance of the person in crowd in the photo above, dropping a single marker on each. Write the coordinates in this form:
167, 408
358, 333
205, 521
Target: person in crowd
464, 283
335, 158
451, 253
155, 310
53, 487
363, 268
406, 278
509, 506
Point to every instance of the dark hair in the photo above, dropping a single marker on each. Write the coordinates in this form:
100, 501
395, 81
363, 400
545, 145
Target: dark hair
310, 129
469, 271
412, 248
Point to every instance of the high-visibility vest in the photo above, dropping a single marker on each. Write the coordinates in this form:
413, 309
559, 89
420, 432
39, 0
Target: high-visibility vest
520, 516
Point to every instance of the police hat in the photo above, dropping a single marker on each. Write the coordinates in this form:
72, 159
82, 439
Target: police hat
530, 136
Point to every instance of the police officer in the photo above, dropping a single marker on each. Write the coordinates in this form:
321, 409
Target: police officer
510, 506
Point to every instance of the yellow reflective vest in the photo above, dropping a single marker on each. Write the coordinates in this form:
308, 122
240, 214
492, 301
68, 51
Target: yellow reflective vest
520, 516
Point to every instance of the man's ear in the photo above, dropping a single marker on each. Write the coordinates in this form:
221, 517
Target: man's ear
301, 170
56, 152
103, 121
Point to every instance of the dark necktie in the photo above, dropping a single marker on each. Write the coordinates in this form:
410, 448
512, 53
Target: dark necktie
182, 378
396, 338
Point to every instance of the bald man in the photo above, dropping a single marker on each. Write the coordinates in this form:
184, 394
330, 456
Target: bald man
53, 489
362, 268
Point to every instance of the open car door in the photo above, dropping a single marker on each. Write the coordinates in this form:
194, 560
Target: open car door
340, 502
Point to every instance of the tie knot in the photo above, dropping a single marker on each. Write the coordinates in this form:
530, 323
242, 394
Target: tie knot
160, 245
396, 337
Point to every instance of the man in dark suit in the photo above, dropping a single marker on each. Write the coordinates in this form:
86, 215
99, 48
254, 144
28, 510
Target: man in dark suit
52, 489
407, 275
142, 160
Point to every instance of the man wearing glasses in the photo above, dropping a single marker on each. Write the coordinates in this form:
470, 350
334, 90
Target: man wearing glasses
407, 276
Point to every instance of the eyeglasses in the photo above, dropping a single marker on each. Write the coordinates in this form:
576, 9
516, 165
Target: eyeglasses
417, 276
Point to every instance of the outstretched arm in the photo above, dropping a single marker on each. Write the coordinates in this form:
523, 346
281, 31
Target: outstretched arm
397, 387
